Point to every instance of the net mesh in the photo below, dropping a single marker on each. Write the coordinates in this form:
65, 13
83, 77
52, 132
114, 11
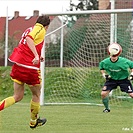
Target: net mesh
85, 43
84, 46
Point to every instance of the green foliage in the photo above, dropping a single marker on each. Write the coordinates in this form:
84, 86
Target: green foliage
6, 85
53, 51
124, 33
92, 85
12, 42
73, 41
72, 84
86, 5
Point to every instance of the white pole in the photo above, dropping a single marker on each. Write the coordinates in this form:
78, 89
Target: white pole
112, 28
115, 28
112, 22
61, 50
42, 68
42, 75
6, 39
89, 12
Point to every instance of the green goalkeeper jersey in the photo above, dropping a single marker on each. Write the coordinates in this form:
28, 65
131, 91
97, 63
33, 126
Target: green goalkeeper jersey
117, 70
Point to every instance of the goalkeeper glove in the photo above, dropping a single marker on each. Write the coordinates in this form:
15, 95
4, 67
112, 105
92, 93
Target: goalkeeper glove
106, 76
131, 76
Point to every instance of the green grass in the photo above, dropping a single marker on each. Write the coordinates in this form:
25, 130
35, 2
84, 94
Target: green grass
67, 119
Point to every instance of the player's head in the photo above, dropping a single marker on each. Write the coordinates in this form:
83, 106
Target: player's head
44, 20
114, 49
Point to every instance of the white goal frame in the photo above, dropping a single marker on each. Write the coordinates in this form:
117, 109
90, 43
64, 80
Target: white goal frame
76, 13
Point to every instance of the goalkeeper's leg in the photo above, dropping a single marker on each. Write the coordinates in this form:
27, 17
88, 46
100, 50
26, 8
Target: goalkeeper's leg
105, 100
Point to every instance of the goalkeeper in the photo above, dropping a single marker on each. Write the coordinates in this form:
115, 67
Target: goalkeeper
115, 70
26, 69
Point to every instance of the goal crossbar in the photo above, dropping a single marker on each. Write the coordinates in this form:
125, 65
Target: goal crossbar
90, 12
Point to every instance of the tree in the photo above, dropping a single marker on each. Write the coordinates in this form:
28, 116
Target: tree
84, 5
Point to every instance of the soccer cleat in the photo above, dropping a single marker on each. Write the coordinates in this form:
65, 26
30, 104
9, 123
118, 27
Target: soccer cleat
106, 110
39, 122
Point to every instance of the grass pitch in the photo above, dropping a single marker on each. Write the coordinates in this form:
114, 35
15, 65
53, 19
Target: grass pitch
68, 119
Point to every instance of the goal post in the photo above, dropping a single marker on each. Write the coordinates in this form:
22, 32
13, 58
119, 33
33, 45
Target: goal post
83, 43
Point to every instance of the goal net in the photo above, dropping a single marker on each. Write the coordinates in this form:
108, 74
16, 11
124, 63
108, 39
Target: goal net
73, 50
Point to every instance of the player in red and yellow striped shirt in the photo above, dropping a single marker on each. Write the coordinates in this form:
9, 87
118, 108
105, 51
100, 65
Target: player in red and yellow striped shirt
26, 69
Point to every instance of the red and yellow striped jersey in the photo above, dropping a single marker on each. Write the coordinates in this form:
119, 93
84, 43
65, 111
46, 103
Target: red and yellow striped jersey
22, 54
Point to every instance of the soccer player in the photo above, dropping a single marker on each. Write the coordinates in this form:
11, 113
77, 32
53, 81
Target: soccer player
26, 68
115, 70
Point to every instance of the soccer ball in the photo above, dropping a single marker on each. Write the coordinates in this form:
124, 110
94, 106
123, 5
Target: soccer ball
114, 49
